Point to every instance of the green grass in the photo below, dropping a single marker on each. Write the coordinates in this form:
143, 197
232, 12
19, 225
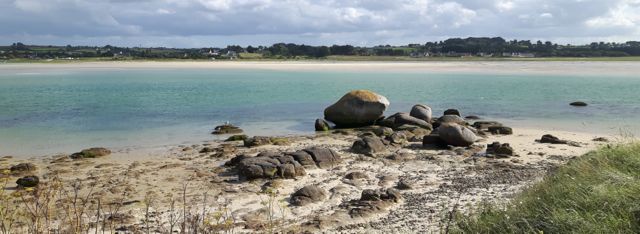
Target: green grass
596, 193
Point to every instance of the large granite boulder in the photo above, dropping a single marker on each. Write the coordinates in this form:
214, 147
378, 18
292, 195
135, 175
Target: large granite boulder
368, 145
422, 112
356, 109
307, 195
456, 135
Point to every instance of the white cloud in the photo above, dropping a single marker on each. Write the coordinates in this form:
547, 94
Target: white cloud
189, 22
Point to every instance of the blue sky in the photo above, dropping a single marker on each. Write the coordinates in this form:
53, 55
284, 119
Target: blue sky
203, 23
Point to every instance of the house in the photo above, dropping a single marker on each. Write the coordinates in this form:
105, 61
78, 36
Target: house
518, 55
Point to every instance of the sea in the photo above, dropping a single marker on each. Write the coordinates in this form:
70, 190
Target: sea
66, 110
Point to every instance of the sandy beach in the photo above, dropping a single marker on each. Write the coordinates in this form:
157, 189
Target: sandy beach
499, 67
440, 179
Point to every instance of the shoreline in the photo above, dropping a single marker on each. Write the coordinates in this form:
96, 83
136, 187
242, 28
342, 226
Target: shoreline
588, 68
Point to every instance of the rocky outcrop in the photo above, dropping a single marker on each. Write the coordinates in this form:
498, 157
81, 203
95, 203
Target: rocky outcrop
422, 112
226, 129
456, 135
322, 125
307, 195
399, 119
283, 165
91, 153
262, 166
368, 145
356, 109
372, 202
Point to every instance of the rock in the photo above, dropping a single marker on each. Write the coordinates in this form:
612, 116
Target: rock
472, 117
422, 112
356, 109
400, 119
579, 104
417, 132
484, 125
456, 135
356, 175
237, 138
372, 202
368, 145
257, 141
500, 130
449, 119
601, 139
404, 185
23, 168
226, 129
500, 150
268, 166
551, 139
382, 131
91, 153
452, 112
28, 181
307, 195
305, 159
433, 139
322, 125
280, 141
323, 157
398, 138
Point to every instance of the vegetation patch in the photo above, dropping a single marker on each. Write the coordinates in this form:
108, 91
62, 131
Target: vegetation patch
596, 193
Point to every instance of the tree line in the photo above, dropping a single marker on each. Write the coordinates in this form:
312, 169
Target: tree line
472, 46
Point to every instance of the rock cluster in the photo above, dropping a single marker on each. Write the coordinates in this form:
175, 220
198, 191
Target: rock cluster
285, 165
22, 168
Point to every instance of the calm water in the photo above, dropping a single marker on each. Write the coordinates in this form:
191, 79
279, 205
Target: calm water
64, 111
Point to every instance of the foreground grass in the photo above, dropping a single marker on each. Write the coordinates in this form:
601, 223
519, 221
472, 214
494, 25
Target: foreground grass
596, 193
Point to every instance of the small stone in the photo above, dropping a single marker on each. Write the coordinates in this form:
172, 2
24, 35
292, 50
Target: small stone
578, 104
404, 185
237, 138
226, 129
91, 153
28, 181
356, 175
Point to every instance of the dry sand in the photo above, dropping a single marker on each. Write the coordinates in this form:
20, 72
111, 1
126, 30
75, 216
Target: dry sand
493, 67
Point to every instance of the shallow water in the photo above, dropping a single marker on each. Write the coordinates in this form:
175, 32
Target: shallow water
66, 110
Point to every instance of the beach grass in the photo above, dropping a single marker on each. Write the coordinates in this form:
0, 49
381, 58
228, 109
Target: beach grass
595, 193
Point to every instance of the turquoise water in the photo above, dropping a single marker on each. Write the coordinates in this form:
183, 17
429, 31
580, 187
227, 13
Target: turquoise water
63, 111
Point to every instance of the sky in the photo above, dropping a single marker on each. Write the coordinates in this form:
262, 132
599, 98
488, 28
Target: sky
206, 23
